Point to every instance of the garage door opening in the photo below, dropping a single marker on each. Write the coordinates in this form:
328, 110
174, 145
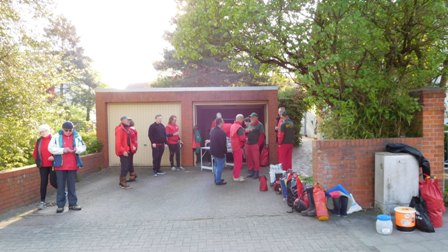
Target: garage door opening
205, 114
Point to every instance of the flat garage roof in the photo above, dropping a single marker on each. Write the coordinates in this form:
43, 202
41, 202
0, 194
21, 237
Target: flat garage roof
187, 89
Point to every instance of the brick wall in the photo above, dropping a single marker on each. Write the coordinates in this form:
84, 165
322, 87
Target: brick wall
19, 187
351, 162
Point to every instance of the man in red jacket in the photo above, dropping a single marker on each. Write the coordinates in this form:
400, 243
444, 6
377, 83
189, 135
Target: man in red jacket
285, 140
255, 138
123, 149
237, 139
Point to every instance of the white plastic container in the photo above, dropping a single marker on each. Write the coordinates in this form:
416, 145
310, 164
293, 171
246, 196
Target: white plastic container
384, 224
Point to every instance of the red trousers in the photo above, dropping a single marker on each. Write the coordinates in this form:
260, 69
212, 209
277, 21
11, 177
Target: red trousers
253, 157
237, 162
285, 156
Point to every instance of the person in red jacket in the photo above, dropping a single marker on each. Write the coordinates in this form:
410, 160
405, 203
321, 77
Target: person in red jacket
44, 161
66, 146
173, 141
285, 139
134, 147
123, 149
277, 127
237, 139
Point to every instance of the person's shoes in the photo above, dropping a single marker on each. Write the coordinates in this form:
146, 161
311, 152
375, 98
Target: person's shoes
239, 179
174, 168
251, 174
42, 205
75, 208
123, 184
60, 210
222, 182
161, 173
132, 177
155, 175
180, 168
256, 175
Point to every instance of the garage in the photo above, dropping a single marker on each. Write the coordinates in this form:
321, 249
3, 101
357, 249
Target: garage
191, 105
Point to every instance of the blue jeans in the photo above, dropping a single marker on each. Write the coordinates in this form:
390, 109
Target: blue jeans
218, 167
66, 178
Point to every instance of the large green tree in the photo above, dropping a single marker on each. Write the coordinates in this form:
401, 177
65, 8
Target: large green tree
356, 60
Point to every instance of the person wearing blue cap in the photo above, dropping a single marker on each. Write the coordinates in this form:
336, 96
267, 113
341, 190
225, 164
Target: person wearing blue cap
66, 146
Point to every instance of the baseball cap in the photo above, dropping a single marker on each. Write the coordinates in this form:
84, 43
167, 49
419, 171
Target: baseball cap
67, 125
253, 114
123, 118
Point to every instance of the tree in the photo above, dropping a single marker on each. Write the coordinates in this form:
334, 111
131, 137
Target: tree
355, 60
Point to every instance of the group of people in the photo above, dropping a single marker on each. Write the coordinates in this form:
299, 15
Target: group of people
247, 137
57, 157
126, 145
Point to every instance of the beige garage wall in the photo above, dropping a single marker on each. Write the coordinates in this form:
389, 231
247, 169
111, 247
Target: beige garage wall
143, 115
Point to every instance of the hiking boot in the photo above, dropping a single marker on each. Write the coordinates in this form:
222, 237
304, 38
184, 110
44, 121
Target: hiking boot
60, 210
251, 174
155, 175
174, 168
132, 177
256, 175
239, 179
75, 208
123, 184
42, 205
160, 173
180, 168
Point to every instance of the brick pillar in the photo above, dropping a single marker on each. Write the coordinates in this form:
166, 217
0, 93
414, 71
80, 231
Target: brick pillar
432, 129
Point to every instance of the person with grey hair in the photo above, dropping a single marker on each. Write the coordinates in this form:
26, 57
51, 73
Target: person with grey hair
123, 150
44, 162
237, 140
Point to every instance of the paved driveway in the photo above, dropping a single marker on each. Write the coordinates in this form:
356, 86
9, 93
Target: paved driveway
185, 211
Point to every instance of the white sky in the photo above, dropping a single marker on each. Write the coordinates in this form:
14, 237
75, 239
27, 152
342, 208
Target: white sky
123, 37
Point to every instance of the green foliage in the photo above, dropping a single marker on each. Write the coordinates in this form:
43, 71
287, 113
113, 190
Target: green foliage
31, 66
91, 141
356, 61
293, 101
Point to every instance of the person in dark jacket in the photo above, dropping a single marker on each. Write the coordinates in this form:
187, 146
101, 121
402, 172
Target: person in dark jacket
218, 150
157, 136
44, 161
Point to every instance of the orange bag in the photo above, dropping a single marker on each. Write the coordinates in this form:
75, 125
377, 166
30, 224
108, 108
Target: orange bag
320, 202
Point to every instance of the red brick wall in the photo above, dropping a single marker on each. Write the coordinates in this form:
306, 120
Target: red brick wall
19, 187
187, 100
351, 162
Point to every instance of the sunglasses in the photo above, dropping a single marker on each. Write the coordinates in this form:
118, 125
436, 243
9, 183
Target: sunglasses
68, 130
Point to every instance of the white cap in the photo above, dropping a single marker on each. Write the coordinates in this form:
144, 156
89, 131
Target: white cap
44, 127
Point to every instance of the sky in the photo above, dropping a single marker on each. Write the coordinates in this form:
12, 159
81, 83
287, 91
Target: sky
123, 38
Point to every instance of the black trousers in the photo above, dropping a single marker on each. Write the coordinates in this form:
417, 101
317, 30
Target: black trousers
157, 154
44, 172
125, 165
174, 150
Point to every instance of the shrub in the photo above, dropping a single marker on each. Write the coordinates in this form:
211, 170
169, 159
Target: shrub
91, 141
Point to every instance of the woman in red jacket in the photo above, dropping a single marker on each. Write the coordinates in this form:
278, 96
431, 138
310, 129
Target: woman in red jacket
173, 140
44, 161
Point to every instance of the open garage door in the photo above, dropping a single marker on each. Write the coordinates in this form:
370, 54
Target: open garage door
143, 115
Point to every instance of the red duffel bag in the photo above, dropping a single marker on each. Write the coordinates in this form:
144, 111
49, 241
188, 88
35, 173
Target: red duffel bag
264, 156
431, 194
320, 202
263, 183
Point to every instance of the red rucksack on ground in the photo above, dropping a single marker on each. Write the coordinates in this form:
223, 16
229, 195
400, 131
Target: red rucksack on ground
320, 202
263, 183
264, 156
431, 194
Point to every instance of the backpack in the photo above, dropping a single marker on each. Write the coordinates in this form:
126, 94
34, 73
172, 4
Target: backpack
294, 188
